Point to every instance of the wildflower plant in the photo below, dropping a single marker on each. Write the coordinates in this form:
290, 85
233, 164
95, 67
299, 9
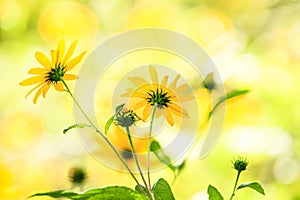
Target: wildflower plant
153, 100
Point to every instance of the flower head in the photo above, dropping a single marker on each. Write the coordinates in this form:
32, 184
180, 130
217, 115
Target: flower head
240, 164
165, 97
126, 118
54, 71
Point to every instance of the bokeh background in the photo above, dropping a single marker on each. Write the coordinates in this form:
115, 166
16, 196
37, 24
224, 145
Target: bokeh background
254, 44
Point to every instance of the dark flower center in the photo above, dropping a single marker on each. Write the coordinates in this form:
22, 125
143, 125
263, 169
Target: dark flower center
158, 98
56, 74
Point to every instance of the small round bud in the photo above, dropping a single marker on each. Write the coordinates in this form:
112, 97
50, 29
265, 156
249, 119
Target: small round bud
240, 164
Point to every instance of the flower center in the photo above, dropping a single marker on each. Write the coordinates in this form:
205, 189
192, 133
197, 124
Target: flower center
158, 98
56, 74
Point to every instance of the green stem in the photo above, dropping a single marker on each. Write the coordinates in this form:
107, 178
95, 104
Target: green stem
137, 161
149, 138
101, 134
235, 184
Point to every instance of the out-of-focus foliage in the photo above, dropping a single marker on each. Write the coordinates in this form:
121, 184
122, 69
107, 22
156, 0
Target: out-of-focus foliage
254, 44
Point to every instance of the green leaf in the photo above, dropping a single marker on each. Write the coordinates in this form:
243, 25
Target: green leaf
55, 194
254, 185
229, 95
108, 193
108, 123
141, 189
119, 108
160, 154
213, 193
75, 126
162, 190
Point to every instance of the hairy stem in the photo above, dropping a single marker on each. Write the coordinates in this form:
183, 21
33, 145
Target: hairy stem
235, 184
149, 143
137, 161
101, 134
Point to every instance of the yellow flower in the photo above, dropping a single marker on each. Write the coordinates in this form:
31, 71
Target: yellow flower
54, 71
165, 97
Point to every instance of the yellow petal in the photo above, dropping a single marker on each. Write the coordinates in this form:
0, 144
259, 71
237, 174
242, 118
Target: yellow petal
37, 71
153, 74
70, 52
140, 104
47, 86
70, 77
32, 80
74, 61
53, 54
38, 93
59, 86
186, 97
33, 90
146, 112
164, 80
172, 86
60, 50
138, 81
43, 60
158, 113
182, 88
178, 110
168, 117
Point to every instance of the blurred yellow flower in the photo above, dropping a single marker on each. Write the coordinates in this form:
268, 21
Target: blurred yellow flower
54, 71
166, 98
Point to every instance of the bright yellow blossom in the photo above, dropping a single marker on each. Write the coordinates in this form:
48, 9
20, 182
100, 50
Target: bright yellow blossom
165, 97
54, 71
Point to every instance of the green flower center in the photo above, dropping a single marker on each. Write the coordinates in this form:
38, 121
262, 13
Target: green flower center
158, 98
56, 74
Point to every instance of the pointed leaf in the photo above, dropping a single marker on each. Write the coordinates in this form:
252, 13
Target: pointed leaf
229, 95
119, 108
160, 154
213, 193
55, 194
108, 123
254, 185
162, 190
75, 126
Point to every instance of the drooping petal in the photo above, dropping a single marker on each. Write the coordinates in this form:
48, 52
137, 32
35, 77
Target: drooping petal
32, 80
158, 113
164, 80
38, 93
138, 81
186, 97
43, 60
146, 112
140, 104
178, 110
37, 71
69, 53
59, 86
32, 90
74, 61
182, 88
153, 74
47, 86
169, 117
172, 86
70, 77
60, 50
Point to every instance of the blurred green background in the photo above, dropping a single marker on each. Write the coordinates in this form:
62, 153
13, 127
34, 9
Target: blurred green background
254, 44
